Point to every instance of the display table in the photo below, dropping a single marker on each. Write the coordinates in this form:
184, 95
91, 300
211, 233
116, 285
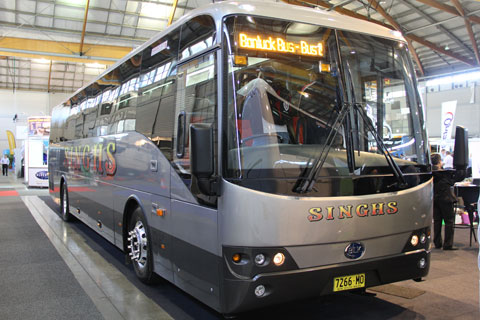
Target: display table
469, 194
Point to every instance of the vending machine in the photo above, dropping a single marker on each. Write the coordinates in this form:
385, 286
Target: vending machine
36, 152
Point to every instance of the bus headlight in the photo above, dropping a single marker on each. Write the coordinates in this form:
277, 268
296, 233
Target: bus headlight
279, 259
259, 259
423, 238
414, 240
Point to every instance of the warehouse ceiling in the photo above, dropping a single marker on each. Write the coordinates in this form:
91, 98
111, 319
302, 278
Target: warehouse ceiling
61, 45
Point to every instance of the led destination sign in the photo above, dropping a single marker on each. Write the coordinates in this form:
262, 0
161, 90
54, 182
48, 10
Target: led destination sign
280, 45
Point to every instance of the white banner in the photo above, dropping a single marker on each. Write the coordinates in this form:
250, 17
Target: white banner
448, 115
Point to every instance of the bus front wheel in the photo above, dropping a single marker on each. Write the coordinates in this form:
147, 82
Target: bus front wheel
139, 246
64, 203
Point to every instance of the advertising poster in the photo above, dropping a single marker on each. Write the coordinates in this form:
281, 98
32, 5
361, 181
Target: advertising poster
36, 151
38, 126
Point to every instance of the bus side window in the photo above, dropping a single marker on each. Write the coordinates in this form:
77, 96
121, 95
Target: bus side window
89, 121
196, 99
198, 34
103, 111
71, 123
156, 99
123, 119
89, 108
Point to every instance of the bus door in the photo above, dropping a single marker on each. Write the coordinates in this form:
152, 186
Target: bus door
195, 249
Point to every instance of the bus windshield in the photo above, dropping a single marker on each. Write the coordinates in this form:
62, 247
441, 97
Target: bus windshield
298, 93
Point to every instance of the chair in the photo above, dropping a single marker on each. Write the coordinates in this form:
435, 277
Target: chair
469, 195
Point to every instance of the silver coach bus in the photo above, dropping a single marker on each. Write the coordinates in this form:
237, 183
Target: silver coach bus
242, 154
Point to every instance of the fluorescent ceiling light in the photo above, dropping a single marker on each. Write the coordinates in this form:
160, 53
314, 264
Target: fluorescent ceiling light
42, 60
95, 65
153, 10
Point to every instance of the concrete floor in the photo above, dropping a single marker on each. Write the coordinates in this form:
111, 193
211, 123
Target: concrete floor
53, 270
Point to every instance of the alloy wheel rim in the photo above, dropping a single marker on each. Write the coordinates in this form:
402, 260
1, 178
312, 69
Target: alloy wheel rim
138, 246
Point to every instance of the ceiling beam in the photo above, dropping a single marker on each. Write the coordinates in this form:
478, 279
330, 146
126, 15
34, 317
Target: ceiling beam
439, 27
35, 32
362, 17
172, 12
33, 87
49, 76
408, 37
340, 4
468, 25
80, 51
325, 4
74, 19
60, 51
441, 50
449, 9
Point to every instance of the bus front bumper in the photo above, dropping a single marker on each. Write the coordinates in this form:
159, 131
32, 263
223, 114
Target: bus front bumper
239, 294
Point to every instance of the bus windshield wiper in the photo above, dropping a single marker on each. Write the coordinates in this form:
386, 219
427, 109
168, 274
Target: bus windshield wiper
306, 180
388, 156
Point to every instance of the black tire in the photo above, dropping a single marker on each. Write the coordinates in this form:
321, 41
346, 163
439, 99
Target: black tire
139, 247
64, 203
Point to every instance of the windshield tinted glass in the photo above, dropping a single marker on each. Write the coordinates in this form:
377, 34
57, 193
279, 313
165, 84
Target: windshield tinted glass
378, 76
281, 104
287, 97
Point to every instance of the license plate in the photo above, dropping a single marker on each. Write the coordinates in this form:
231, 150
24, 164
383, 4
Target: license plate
353, 281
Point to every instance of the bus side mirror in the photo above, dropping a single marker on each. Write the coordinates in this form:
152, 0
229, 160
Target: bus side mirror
201, 156
460, 153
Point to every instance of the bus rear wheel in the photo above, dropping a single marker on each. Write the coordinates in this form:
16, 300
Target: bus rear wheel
139, 246
64, 203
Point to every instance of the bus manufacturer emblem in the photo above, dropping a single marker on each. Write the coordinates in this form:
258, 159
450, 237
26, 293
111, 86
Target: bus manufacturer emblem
354, 250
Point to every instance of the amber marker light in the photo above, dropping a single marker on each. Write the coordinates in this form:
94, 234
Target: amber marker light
236, 257
279, 259
241, 60
324, 67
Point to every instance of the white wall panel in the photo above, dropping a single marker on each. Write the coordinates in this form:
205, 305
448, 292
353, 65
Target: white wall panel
467, 113
24, 104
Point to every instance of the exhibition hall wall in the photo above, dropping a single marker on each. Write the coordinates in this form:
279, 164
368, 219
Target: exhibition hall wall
24, 104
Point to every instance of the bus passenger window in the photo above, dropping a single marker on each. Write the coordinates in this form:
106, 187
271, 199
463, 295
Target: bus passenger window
89, 122
196, 98
71, 123
125, 105
156, 93
198, 34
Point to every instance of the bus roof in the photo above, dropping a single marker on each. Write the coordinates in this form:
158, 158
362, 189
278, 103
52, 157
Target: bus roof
282, 10
276, 10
